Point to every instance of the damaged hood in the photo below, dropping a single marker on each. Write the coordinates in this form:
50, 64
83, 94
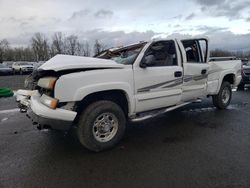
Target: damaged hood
68, 62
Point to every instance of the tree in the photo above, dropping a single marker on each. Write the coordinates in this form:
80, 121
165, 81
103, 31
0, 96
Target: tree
71, 44
86, 49
4, 46
40, 47
98, 47
58, 45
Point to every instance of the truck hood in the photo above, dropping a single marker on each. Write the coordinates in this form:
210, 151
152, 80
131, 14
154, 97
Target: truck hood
68, 62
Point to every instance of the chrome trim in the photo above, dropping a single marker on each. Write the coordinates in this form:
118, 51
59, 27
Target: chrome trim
140, 100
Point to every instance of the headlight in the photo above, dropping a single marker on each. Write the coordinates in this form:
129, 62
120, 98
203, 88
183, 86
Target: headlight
47, 82
49, 101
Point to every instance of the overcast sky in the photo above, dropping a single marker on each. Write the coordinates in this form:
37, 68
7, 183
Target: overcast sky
226, 22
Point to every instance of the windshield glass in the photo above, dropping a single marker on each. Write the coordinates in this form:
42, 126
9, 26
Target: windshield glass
125, 55
24, 64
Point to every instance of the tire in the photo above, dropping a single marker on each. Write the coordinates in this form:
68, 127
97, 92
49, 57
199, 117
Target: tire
92, 125
223, 98
241, 87
21, 72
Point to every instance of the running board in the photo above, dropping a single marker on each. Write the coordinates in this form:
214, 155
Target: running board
152, 114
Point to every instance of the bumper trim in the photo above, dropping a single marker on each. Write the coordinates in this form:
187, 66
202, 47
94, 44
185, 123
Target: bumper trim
45, 123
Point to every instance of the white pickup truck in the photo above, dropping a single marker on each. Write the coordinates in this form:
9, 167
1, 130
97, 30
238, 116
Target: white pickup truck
97, 96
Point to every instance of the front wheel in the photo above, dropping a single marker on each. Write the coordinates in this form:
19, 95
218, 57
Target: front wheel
101, 125
223, 98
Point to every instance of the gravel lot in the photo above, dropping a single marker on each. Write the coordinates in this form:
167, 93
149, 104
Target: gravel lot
14, 82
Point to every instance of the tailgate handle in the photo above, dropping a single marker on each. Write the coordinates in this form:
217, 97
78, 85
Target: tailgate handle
178, 74
204, 71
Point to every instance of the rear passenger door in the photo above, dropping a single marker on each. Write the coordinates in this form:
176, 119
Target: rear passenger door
158, 77
195, 58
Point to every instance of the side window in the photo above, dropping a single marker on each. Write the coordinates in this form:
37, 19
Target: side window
196, 50
161, 53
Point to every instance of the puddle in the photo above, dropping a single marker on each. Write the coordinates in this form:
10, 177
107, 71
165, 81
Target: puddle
212, 109
208, 109
237, 106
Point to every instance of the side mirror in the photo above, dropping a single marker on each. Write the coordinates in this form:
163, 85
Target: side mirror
148, 60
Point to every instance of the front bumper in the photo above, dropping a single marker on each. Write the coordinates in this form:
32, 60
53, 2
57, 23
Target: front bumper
46, 123
45, 117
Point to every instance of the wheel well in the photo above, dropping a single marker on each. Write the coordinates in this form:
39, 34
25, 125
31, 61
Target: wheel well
229, 78
117, 96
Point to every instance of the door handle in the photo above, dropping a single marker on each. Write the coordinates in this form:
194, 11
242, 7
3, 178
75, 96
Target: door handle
204, 71
178, 74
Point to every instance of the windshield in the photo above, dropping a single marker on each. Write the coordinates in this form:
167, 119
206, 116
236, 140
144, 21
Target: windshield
24, 64
248, 63
125, 55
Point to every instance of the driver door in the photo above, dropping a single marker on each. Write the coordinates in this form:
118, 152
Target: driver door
158, 82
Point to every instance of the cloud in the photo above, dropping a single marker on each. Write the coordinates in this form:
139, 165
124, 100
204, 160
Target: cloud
116, 38
230, 9
209, 30
104, 14
230, 41
219, 37
190, 16
79, 14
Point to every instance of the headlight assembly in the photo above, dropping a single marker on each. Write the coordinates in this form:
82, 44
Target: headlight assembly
47, 82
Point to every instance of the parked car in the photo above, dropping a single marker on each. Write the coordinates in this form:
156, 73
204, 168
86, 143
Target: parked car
8, 63
97, 96
22, 67
5, 70
245, 73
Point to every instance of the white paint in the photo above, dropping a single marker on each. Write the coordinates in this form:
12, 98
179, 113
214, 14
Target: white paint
67, 62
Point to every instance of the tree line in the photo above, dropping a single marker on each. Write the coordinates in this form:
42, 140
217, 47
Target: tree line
42, 48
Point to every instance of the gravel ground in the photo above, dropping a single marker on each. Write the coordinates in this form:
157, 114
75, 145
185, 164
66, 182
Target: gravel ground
14, 82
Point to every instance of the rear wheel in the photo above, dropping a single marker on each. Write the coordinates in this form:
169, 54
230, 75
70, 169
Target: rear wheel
101, 125
223, 98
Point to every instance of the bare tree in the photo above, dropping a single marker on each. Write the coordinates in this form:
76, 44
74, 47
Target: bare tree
40, 47
57, 46
87, 50
98, 47
4, 46
71, 44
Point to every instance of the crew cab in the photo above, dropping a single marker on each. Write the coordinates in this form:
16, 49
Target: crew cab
97, 96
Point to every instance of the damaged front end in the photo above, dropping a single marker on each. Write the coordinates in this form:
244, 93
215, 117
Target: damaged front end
32, 86
42, 107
